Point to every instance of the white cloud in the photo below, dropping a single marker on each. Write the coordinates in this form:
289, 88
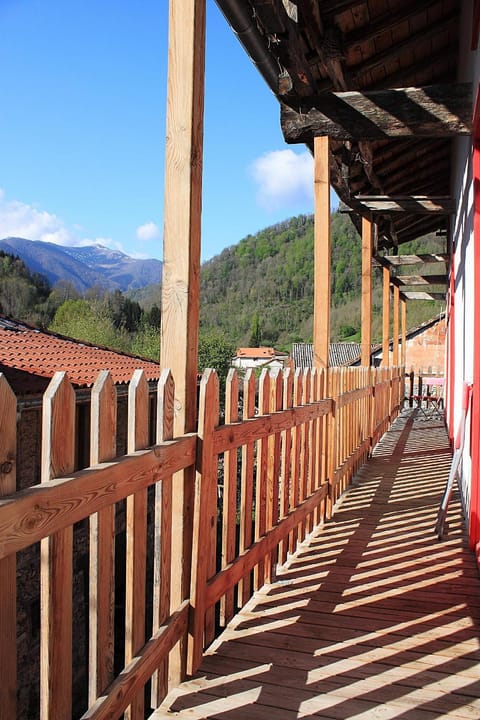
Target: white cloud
18, 219
284, 178
148, 231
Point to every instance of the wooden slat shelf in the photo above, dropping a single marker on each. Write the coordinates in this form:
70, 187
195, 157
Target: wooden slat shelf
372, 618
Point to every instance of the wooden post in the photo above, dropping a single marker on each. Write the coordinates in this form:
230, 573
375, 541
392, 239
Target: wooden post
8, 586
386, 317
403, 360
396, 304
367, 243
322, 277
181, 263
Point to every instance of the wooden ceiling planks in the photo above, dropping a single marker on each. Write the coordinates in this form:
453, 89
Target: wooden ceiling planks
366, 46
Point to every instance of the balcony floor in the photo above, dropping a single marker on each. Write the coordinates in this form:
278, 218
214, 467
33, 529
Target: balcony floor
374, 618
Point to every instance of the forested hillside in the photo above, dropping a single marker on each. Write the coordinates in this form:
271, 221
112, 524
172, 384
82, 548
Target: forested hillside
258, 292
261, 290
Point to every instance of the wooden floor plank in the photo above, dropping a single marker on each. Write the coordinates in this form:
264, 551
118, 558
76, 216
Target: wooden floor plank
372, 619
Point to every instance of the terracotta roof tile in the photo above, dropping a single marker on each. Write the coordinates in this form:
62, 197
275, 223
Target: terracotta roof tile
29, 358
260, 352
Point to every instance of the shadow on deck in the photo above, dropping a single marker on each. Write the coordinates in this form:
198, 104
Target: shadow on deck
373, 617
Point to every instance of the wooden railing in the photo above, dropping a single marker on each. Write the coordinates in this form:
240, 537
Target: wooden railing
279, 469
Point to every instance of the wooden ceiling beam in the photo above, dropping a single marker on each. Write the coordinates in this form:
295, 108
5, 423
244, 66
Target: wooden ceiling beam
414, 204
432, 111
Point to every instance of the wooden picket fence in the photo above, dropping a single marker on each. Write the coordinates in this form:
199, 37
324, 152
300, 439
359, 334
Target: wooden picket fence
280, 468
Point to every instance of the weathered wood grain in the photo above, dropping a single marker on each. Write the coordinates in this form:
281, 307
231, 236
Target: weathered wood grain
432, 111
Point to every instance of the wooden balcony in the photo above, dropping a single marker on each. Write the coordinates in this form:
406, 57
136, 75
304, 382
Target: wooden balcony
373, 618
335, 604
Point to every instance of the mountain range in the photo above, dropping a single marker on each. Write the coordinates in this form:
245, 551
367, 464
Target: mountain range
84, 267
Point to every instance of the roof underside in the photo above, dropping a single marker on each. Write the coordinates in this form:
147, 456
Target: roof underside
378, 77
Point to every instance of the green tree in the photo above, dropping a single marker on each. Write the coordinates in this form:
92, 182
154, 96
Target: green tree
88, 320
215, 351
256, 334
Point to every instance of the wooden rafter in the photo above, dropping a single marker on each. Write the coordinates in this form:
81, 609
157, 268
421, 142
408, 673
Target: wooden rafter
422, 279
422, 296
396, 260
413, 204
431, 111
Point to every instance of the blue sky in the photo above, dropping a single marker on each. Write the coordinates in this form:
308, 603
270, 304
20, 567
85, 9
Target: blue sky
82, 129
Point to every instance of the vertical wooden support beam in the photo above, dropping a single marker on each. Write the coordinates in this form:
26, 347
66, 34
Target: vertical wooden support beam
396, 308
8, 582
367, 245
56, 571
181, 263
322, 276
103, 439
403, 359
386, 317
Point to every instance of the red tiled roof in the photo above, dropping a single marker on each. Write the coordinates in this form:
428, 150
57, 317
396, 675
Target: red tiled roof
261, 352
29, 358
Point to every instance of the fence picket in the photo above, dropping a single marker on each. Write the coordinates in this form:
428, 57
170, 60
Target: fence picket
246, 485
261, 477
58, 458
136, 540
205, 518
273, 471
103, 432
229, 513
286, 461
162, 558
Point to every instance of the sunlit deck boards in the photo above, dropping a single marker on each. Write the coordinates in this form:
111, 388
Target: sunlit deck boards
373, 619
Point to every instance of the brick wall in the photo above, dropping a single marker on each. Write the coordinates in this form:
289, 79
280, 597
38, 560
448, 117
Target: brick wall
426, 350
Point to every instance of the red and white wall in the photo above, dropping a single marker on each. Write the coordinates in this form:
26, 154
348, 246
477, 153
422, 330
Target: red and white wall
463, 335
